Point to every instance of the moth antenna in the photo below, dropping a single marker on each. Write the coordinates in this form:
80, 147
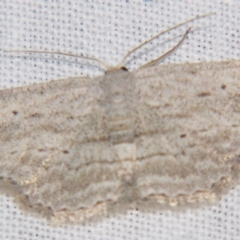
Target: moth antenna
159, 34
154, 61
62, 53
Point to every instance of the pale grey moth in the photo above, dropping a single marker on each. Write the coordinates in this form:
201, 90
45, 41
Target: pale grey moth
160, 137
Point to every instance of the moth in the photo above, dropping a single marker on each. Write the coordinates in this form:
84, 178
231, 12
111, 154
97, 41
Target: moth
164, 136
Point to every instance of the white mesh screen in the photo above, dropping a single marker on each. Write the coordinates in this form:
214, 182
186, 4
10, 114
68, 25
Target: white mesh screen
107, 30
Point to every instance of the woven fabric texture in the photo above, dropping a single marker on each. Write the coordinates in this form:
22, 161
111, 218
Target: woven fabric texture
107, 30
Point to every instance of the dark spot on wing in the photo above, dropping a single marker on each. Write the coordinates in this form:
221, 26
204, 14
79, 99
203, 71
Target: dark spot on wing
183, 135
223, 86
193, 71
204, 94
65, 151
36, 115
15, 112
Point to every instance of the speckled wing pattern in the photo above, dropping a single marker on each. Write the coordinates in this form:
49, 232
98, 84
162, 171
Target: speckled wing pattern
162, 136
189, 144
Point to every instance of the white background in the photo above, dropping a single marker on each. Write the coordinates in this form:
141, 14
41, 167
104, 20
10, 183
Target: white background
107, 30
